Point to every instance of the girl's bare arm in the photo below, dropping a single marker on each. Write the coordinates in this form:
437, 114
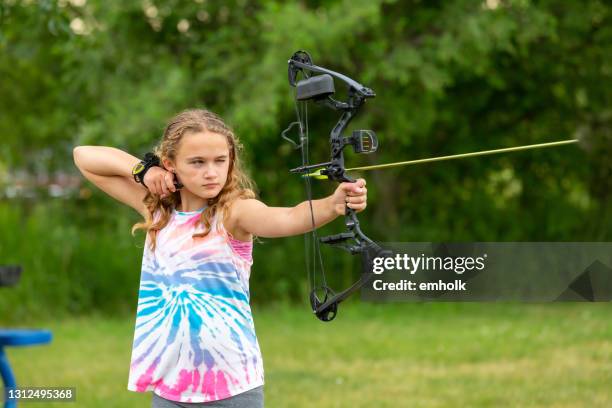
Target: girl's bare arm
110, 169
252, 217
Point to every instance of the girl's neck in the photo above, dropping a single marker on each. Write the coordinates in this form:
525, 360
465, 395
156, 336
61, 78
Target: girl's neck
190, 202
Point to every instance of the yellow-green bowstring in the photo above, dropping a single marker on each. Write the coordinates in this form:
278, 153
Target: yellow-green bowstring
317, 174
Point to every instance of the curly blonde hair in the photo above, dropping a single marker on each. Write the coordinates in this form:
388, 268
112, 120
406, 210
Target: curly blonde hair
237, 186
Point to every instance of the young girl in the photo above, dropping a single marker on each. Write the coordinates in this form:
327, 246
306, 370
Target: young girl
194, 341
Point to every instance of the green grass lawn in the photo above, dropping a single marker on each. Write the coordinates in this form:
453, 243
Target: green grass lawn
402, 355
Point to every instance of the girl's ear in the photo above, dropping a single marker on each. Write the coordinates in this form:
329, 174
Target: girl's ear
168, 165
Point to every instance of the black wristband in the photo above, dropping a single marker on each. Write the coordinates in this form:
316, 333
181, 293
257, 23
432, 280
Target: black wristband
140, 169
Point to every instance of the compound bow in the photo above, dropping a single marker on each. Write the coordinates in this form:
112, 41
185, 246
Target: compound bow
320, 88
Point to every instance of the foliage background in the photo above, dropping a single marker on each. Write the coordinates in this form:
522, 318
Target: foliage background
451, 76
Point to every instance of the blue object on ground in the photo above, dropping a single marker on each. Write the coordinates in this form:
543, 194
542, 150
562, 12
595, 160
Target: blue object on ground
17, 337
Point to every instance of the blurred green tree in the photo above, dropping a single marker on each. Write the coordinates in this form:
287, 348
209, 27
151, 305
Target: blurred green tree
451, 77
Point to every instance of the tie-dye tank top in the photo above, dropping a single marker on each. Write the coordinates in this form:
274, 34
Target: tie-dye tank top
194, 338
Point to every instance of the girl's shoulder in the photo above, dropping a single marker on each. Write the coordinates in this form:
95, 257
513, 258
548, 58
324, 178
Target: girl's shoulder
240, 207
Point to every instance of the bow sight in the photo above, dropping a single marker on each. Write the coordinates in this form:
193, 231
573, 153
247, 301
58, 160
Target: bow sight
320, 89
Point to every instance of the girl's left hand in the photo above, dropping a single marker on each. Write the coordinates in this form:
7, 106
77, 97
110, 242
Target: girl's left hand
354, 195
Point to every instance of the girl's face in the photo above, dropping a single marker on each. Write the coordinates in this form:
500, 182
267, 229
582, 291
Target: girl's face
202, 163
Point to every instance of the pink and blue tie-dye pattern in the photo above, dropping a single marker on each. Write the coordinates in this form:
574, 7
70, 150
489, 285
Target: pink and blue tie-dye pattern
194, 339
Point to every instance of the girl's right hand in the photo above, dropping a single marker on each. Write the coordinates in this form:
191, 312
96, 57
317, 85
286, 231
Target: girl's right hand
160, 181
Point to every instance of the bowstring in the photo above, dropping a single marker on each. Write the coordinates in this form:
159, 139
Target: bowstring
311, 246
